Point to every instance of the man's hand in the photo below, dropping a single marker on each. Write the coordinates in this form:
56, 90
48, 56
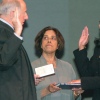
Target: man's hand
37, 79
16, 22
76, 91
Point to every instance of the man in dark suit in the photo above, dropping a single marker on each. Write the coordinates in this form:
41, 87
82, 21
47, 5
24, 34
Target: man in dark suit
16, 76
89, 69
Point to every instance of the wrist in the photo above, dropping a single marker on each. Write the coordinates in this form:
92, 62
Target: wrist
81, 48
48, 88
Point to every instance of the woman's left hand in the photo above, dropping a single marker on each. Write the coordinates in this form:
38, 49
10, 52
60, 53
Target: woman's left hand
53, 88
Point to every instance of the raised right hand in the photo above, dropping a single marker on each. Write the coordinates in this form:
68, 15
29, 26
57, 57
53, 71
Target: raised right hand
16, 22
84, 38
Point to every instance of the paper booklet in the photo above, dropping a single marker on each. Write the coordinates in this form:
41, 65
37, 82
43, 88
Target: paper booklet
45, 70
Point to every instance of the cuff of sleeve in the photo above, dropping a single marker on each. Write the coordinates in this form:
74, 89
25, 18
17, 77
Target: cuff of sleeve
81, 52
18, 36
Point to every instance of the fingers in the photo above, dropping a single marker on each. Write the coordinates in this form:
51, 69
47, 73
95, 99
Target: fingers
37, 79
53, 88
15, 19
16, 13
16, 22
78, 91
36, 76
84, 38
85, 31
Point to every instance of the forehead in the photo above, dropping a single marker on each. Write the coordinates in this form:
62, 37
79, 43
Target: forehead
50, 33
23, 5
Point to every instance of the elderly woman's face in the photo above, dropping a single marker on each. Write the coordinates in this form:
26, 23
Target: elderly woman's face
49, 42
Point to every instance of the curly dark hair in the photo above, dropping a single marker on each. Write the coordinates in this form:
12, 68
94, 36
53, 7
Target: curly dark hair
39, 37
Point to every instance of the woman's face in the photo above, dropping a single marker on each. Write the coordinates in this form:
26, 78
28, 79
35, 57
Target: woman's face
49, 42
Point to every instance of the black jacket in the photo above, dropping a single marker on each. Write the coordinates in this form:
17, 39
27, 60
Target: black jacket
89, 70
16, 76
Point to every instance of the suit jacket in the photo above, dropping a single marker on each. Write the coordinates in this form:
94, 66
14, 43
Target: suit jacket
89, 70
16, 76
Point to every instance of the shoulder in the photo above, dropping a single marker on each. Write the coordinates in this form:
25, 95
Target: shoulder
5, 32
67, 68
35, 63
65, 63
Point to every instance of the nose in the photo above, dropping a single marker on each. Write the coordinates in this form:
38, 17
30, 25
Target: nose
49, 40
26, 16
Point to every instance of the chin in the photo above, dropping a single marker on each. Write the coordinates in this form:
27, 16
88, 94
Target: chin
23, 23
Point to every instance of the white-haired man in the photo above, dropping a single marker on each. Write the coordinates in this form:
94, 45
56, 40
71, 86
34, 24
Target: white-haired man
16, 76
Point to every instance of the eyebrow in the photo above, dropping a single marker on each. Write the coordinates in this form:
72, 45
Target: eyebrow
51, 36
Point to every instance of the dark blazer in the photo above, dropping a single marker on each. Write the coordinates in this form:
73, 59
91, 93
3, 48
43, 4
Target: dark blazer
89, 70
16, 76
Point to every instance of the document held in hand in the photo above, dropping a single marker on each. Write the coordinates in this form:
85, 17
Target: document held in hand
45, 70
68, 86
